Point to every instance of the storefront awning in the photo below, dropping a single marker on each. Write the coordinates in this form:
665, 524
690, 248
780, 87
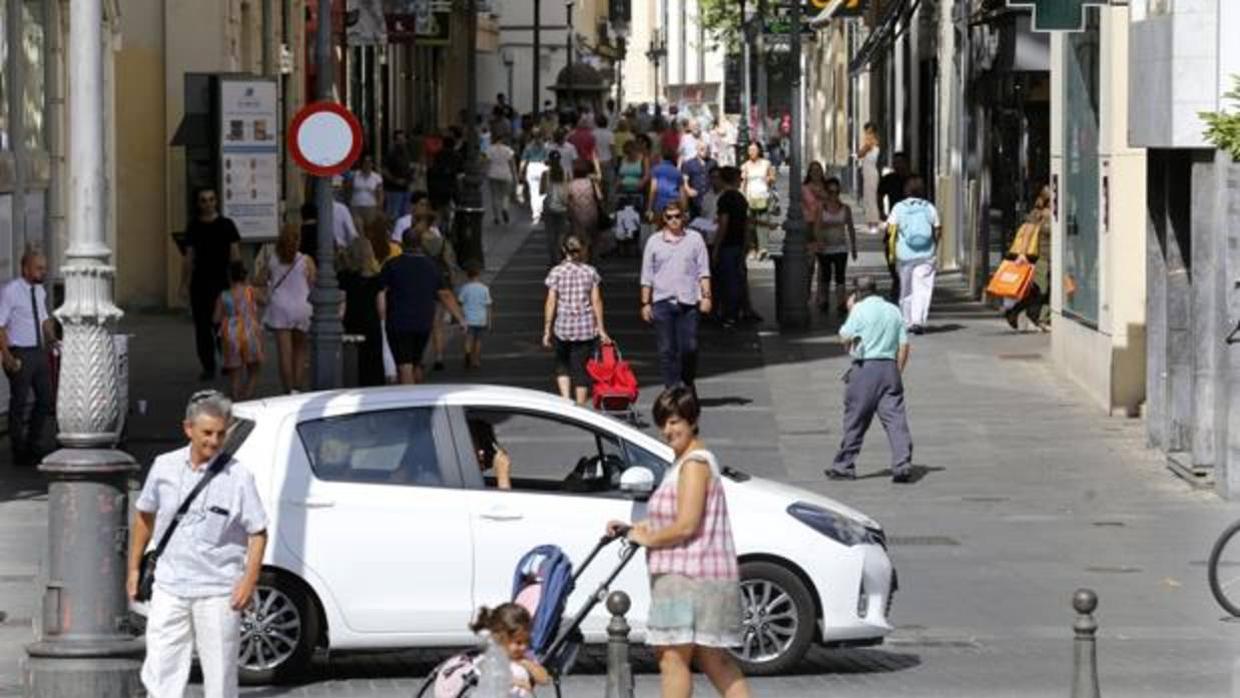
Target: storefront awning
879, 41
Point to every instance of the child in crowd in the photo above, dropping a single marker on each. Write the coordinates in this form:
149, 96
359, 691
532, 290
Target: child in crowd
475, 299
240, 333
509, 626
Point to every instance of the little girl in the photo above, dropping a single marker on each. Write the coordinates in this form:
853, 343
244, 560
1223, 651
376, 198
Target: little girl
509, 626
241, 335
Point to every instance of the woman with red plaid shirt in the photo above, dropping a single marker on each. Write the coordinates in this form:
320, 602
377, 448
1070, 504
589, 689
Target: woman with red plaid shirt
695, 598
573, 318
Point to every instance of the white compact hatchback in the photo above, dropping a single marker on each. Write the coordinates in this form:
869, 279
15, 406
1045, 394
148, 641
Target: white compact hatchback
384, 532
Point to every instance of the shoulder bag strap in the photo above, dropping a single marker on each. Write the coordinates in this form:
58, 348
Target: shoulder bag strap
240, 432
291, 267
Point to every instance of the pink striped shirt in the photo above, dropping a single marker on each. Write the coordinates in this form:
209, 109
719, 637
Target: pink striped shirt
710, 553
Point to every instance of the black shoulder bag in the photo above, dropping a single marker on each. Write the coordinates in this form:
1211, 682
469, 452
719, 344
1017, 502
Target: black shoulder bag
146, 568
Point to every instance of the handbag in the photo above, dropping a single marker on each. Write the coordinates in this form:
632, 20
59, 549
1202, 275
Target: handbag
146, 567
1011, 280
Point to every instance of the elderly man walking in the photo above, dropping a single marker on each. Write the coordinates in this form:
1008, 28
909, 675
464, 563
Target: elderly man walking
210, 562
916, 228
675, 282
878, 342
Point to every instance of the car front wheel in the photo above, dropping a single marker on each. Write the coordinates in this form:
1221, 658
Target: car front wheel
278, 631
778, 619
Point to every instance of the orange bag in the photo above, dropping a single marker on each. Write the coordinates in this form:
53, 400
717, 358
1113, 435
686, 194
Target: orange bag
1011, 280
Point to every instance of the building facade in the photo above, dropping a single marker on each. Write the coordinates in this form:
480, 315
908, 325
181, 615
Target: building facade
1182, 63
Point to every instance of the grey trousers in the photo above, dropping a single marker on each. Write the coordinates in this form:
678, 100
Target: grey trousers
874, 386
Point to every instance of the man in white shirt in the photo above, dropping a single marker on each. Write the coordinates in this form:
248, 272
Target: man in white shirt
688, 141
343, 228
26, 330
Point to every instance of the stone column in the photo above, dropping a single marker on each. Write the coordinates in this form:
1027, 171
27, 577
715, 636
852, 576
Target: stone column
83, 651
1155, 303
1208, 264
1226, 212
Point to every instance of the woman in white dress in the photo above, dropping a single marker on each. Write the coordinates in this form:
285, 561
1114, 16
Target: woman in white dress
288, 276
868, 155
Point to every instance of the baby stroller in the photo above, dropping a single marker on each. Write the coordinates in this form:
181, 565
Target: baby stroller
615, 386
542, 582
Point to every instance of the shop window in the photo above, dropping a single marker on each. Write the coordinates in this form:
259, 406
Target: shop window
33, 53
1080, 194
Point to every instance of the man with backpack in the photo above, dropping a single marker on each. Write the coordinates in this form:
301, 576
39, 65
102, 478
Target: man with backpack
916, 231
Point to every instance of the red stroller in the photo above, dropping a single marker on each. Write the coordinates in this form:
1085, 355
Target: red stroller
615, 386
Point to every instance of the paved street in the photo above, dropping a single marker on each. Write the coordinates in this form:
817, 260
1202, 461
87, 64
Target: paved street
1024, 493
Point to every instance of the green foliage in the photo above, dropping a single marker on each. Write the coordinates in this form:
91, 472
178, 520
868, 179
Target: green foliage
1223, 127
722, 20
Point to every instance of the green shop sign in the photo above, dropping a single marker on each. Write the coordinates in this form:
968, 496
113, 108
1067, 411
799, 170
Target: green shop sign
1057, 15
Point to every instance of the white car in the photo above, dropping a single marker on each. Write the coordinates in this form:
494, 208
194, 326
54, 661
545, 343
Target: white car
384, 532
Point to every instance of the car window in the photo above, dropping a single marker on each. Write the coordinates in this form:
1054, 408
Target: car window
394, 447
638, 456
547, 454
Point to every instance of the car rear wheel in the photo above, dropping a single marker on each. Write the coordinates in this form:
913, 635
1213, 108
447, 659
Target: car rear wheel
278, 631
778, 619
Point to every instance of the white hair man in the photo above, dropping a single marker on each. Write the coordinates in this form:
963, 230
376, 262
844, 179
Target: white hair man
207, 573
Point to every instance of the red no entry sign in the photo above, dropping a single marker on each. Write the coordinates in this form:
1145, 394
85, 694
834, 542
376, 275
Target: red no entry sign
324, 139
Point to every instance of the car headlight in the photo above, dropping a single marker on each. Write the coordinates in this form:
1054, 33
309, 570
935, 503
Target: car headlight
834, 525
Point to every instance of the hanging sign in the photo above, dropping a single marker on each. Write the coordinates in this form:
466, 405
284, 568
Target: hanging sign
1057, 15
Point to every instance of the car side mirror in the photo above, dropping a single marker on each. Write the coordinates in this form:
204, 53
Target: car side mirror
637, 481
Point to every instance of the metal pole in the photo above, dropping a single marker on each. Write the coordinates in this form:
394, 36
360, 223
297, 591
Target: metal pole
619, 668
794, 314
325, 326
536, 98
568, 39
82, 651
742, 139
469, 213
1085, 659
763, 58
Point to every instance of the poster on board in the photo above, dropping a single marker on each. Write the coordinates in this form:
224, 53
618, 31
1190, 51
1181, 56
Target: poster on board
250, 156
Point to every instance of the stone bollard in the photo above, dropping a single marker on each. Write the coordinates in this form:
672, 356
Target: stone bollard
1085, 662
619, 668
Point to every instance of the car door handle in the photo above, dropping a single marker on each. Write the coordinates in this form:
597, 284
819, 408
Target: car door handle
502, 515
315, 503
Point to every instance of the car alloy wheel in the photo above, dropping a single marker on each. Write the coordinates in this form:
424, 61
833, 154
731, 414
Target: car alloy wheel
770, 620
271, 630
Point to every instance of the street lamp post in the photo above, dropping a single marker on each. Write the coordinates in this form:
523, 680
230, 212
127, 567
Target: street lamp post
655, 54
794, 290
326, 327
749, 36
536, 98
568, 46
82, 651
469, 213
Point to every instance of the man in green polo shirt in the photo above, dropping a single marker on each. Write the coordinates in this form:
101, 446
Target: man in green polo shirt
878, 342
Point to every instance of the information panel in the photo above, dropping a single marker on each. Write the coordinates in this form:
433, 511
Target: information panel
250, 156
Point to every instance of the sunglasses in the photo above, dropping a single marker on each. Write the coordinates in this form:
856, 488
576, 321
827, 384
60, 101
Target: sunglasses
671, 216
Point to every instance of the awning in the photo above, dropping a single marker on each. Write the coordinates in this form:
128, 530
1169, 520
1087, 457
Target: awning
897, 15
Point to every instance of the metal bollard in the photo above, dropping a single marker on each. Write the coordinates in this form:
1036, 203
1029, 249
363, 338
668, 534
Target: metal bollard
1085, 662
350, 348
619, 668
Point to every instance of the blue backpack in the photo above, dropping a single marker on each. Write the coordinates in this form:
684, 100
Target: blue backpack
916, 224
542, 583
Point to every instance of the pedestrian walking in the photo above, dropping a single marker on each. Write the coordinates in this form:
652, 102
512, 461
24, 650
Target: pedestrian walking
359, 279
364, 191
890, 193
410, 286
728, 246
442, 175
573, 319
585, 205
344, 228
211, 244
622, 137
878, 343
443, 254
675, 290
288, 277
868, 155
555, 206
631, 179
689, 141
582, 139
241, 332
695, 596
1032, 245
696, 170
568, 152
397, 176
667, 186
917, 233
478, 309
836, 241
501, 175
604, 152
26, 333
757, 182
211, 559
533, 165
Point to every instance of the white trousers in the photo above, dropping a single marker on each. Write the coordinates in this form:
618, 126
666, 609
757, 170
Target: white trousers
174, 627
916, 288
533, 177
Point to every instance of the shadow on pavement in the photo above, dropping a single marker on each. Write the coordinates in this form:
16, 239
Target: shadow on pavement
21, 482
919, 472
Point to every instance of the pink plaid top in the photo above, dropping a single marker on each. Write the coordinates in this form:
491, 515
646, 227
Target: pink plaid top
573, 283
710, 553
